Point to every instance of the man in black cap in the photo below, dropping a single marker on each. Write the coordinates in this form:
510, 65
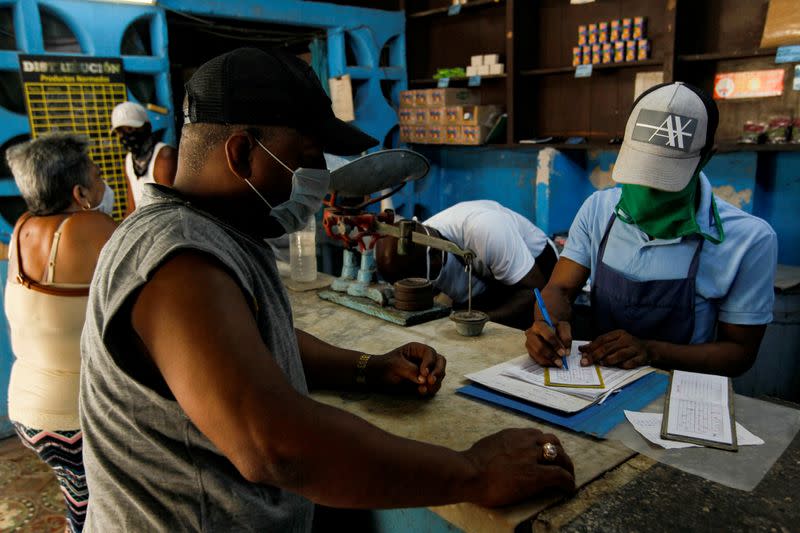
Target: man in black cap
194, 384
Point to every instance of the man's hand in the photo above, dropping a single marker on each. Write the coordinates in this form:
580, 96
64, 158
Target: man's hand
543, 345
512, 467
409, 367
616, 348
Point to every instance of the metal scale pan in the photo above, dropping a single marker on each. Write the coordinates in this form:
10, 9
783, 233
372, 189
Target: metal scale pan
371, 173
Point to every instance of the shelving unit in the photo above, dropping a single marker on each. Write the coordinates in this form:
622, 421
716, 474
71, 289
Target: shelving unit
539, 91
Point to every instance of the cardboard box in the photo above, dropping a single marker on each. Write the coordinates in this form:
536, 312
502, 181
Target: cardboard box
452, 115
586, 55
583, 35
592, 33
453, 96
406, 133
436, 115
576, 56
476, 61
491, 59
405, 115
597, 56
602, 32
619, 51
614, 30
420, 116
643, 50
419, 134
782, 26
472, 70
421, 97
480, 115
497, 69
473, 135
435, 135
630, 51
407, 98
639, 28
452, 135
483, 70
626, 29
608, 53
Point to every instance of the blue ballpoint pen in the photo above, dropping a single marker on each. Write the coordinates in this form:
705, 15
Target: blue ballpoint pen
546, 316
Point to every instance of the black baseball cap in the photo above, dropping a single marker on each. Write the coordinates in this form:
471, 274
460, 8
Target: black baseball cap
269, 88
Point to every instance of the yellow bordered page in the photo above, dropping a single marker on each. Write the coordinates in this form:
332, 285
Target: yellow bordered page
577, 377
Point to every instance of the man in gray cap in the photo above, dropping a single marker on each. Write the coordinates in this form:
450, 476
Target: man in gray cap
680, 279
194, 382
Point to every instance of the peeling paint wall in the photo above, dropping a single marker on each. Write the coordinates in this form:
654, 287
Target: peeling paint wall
734, 197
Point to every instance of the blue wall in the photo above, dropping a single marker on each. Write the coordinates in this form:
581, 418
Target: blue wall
548, 186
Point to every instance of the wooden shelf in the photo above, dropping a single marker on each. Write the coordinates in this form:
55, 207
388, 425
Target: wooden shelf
598, 66
735, 54
729, 146
456, 81
469, 6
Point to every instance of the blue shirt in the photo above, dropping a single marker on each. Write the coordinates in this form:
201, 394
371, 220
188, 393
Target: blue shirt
735, 278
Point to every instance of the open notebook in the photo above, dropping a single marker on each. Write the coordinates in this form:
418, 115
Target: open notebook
525, 379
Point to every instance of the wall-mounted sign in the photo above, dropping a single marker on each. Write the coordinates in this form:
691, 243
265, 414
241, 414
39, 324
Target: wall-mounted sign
77, 94
749, 84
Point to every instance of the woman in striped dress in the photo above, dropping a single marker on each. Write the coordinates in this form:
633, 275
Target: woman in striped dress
52, 256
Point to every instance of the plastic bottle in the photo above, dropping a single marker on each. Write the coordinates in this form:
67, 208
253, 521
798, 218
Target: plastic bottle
303, 252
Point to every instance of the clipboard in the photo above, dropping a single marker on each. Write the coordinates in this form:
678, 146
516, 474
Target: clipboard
549, 383
733, 447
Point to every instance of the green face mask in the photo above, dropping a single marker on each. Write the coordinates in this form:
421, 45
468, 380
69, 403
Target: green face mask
665, 215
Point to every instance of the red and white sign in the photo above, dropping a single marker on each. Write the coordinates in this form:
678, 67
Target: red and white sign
749, 84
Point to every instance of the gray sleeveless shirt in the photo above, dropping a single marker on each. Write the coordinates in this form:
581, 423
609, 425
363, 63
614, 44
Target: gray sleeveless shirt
148, 467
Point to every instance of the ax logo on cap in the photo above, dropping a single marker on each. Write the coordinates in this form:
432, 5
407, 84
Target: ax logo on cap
665, 129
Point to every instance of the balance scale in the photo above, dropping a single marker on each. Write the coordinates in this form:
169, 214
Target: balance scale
346, 220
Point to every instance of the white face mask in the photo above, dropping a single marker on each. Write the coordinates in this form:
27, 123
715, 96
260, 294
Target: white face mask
106, 205
309, 187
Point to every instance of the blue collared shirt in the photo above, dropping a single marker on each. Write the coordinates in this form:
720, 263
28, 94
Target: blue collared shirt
735, 278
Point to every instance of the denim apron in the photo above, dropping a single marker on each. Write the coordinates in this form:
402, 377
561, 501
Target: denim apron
660, 310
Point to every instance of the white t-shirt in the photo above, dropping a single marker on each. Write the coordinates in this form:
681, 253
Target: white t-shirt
136, 183
505, 243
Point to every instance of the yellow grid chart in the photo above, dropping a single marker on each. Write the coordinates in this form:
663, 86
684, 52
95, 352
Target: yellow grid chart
84, 108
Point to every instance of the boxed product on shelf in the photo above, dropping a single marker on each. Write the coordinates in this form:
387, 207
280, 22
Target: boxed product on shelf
619, 51
643, 49
406, 133
408, 98
419, 134
484, 70
405, 115
630, 51
614, 30
497, 69
576, 56
639, 29
608, 53
452, 134
583, 35
420, 116
472, 70
421, 98
491, 59
626, 29
586, 55
435, 135
592, 33
476, 61
436, 115
597, 55
474, 135
452, 96
602, 32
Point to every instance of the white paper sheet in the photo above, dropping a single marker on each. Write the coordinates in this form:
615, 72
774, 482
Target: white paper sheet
649, 426
575, 374
698, 407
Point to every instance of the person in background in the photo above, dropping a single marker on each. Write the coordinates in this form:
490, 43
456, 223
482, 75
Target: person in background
52, 257
194, 388
680, 279
147, 160
513, 257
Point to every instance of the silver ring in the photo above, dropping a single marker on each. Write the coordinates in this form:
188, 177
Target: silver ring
549, 451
